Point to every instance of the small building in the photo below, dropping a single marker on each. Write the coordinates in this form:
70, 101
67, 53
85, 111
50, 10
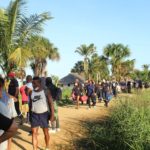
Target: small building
69, 80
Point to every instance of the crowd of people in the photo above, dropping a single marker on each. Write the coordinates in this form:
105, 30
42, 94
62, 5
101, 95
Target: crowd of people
39, 103
39, 108
91, 92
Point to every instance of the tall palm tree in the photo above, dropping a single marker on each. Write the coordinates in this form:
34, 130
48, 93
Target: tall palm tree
86, 52
42, 49
117, 53
78, 68
15, 31
98, 67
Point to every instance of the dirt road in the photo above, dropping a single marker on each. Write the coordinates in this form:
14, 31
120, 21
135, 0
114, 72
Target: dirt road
71, 121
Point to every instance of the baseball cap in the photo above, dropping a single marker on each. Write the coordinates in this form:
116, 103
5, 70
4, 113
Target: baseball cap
11, 74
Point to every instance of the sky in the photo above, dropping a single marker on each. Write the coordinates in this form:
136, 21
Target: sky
100, 22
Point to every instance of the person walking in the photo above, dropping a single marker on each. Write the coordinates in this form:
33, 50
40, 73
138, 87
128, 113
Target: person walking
56, 96
24, 98
7, 124
90, 92
13, 90
40, 104
106, 92
77, 92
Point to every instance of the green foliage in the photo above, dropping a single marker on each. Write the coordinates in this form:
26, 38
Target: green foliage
127, 128
144, 74
55, 79
117, 55
78, 68
97, 67
66, 94
42, 49
86, 52
16, 33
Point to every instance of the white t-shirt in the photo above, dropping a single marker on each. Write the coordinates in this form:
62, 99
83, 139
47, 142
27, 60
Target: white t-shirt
29, 85
39, 102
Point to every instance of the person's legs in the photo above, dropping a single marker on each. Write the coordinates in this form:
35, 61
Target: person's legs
47, 137
57, 124
78, 97
94, 100
34, 138
20, 116
17, 108
9, 144
89, 101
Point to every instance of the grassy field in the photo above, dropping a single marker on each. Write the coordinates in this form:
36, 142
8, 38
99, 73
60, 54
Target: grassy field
126, 128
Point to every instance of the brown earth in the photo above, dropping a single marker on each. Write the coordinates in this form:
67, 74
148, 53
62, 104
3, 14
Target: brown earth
72, 128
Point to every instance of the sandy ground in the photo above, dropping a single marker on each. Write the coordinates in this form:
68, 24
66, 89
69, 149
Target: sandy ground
71, 122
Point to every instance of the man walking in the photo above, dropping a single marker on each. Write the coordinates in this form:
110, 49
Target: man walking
13, 90
39, 106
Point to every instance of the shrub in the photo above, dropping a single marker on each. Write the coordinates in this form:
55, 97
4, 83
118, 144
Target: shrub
127, 128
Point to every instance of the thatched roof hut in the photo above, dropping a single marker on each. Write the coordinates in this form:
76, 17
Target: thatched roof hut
70, 79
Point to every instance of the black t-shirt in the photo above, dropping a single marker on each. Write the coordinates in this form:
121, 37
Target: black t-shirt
12, 87
5, 122
77, 90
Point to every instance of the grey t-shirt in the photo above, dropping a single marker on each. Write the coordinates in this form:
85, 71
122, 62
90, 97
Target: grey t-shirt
39, 102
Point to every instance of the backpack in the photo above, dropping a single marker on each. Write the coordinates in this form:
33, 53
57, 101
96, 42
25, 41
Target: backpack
55, 92
58, 94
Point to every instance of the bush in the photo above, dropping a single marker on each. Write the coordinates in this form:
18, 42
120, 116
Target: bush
66, 94
127, 128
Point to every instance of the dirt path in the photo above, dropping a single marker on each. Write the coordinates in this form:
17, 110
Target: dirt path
71, 128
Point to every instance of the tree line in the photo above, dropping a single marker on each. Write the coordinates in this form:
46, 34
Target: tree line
113, 63
21, 40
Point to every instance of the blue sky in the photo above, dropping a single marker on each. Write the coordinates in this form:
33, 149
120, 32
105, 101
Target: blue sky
100, 22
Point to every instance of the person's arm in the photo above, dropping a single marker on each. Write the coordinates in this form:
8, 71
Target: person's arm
51, 105
17, 88
30, 101
17, 92
9, 126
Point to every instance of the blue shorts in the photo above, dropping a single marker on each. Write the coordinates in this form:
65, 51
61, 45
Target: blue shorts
39, 120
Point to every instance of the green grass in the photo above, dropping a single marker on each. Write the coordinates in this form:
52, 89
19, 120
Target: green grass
66, 97
127, 127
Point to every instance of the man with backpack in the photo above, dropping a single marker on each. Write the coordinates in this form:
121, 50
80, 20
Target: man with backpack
56, 96
40, 104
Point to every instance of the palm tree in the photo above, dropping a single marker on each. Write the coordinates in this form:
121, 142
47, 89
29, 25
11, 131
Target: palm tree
86, 52
126, 68
55, 79
42, 49
98, 67
78, 68
117, 53
146, 67
15, 31
146, 72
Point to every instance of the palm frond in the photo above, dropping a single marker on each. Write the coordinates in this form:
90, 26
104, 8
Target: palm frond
20, 57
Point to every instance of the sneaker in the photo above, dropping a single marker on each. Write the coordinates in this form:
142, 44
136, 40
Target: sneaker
53, 131
58, 129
